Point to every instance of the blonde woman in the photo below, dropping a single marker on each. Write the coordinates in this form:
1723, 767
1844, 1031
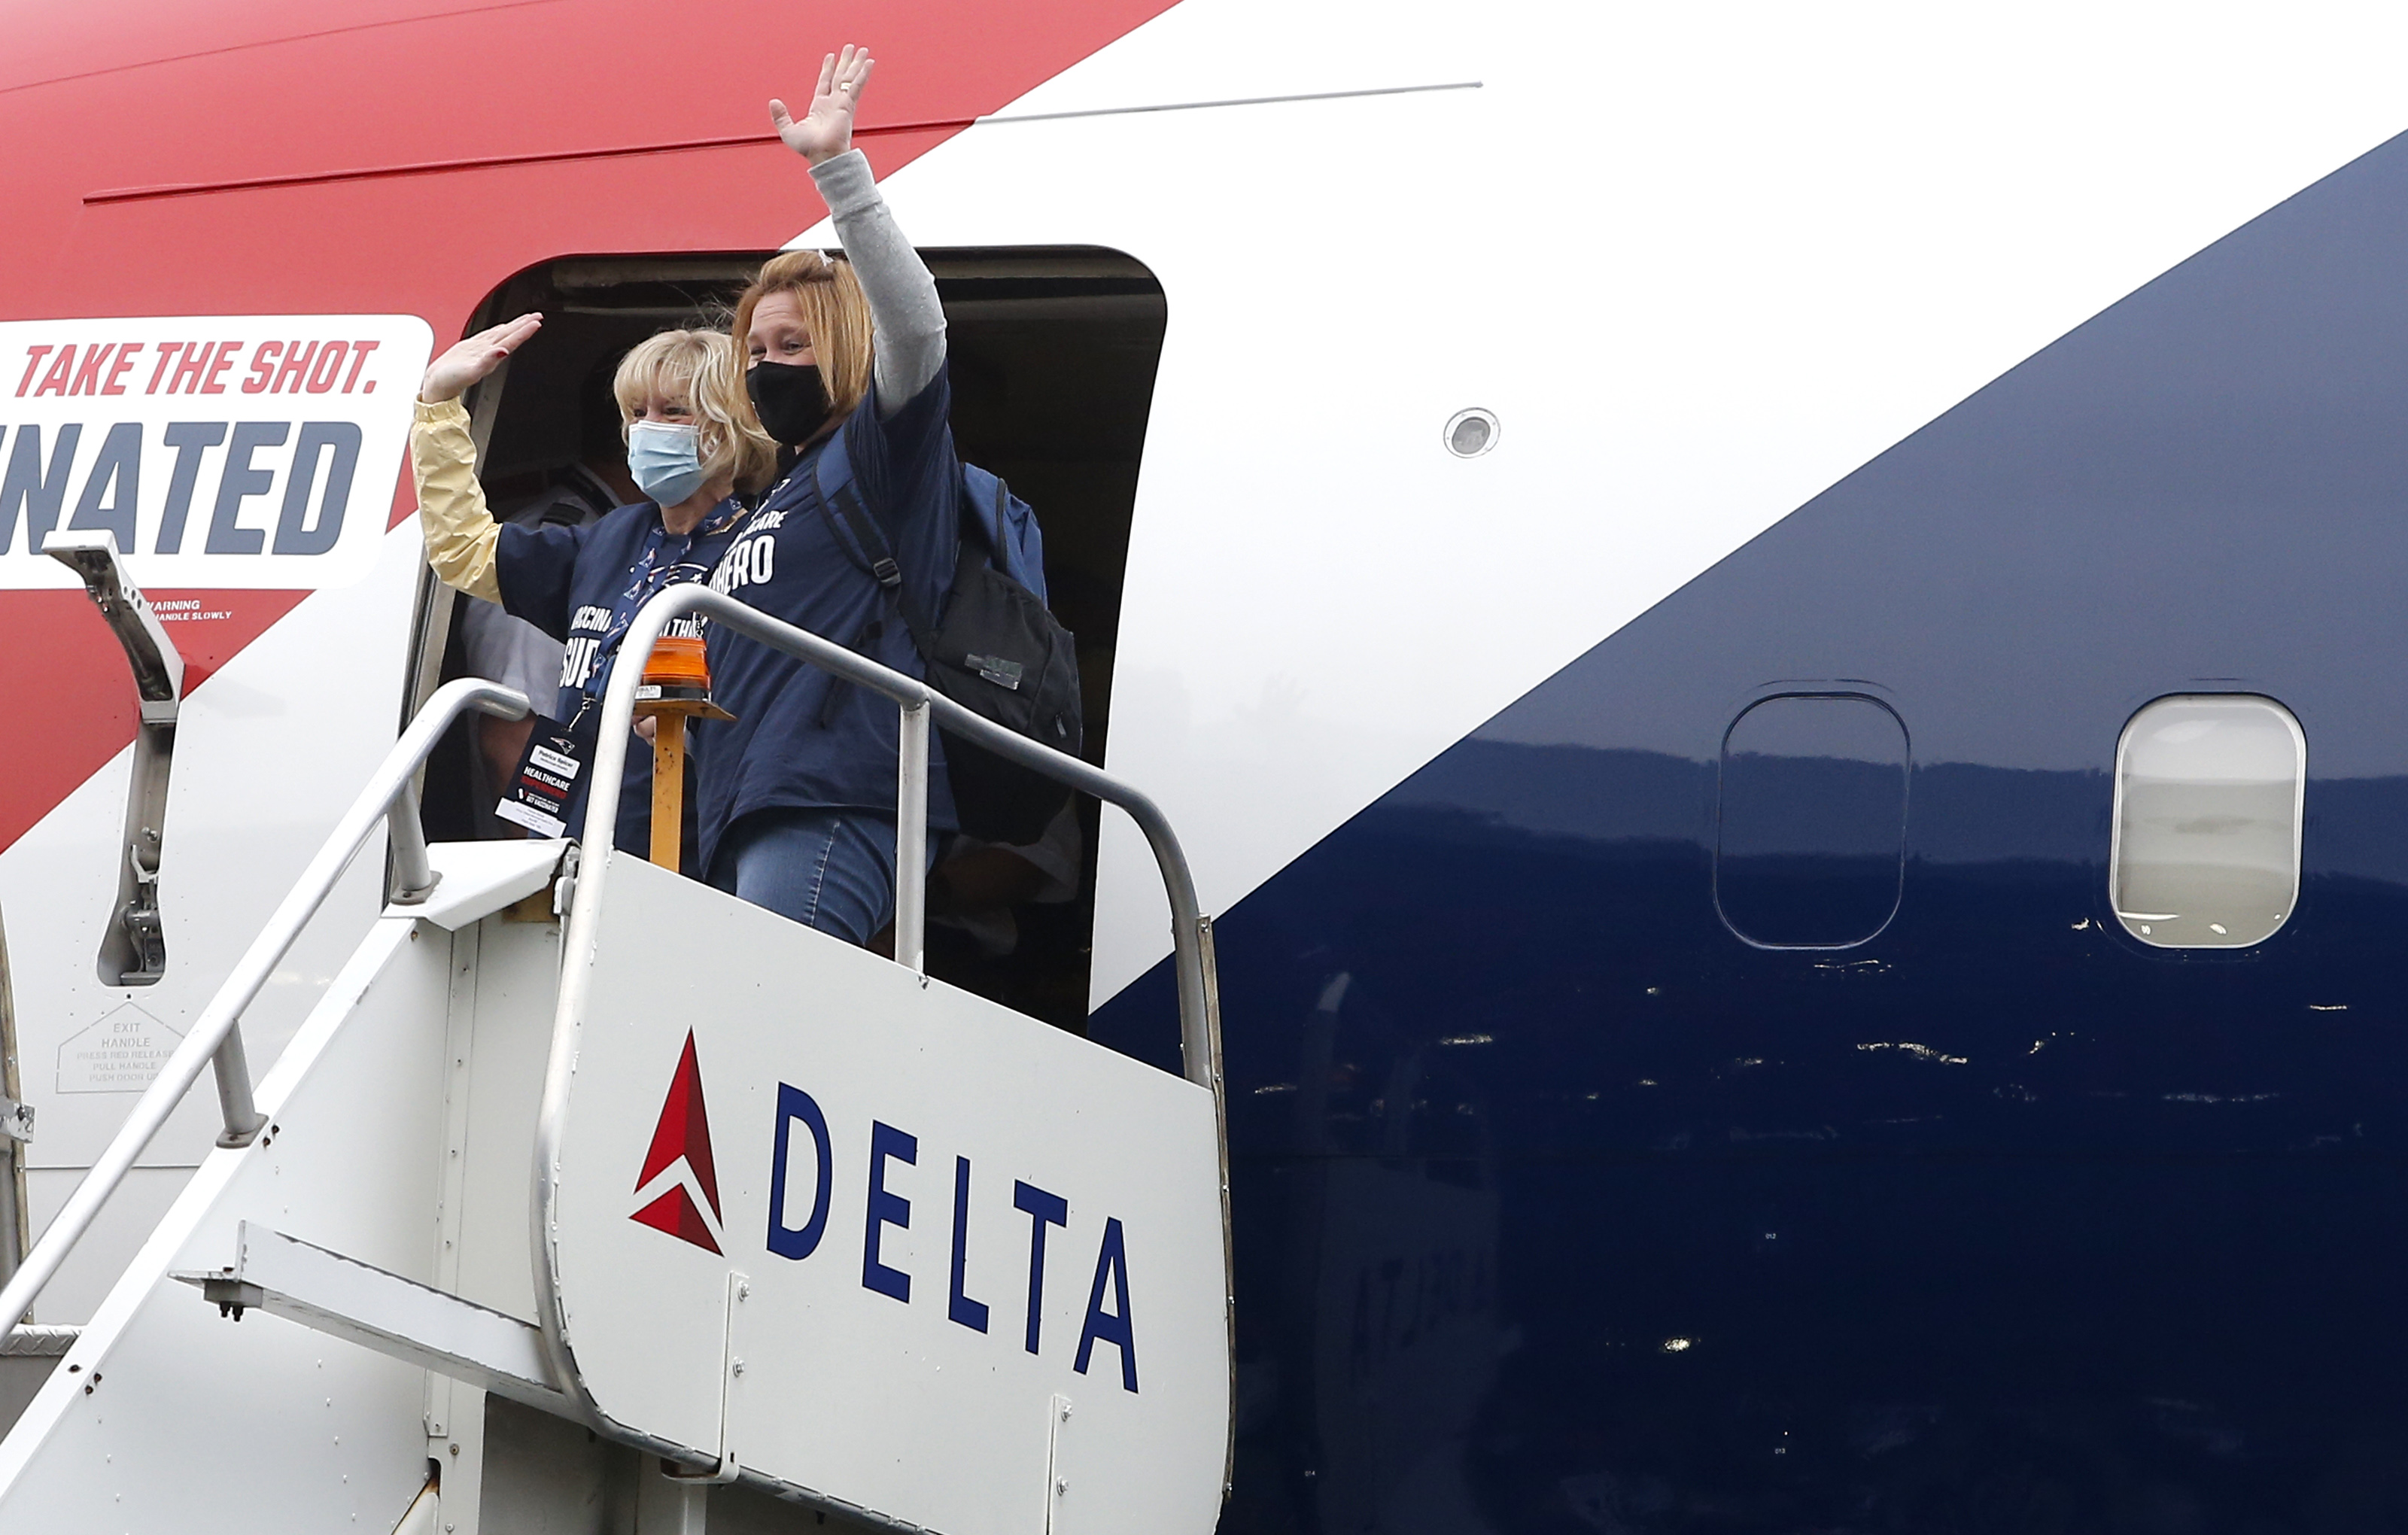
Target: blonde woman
691, 445
847, 369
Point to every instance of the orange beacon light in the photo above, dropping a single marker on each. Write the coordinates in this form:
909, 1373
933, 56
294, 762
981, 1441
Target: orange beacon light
676, 683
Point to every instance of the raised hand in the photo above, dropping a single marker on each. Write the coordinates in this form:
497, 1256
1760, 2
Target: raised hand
826, 130
472, 359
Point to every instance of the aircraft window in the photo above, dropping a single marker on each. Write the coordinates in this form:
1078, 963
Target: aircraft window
1809, 849
1052, 355
2206, 847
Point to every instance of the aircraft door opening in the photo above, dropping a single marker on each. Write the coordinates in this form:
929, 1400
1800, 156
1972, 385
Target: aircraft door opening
1053, 352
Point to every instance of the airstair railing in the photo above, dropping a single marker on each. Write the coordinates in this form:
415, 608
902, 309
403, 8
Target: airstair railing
1191, 932
215, 1036
921, 706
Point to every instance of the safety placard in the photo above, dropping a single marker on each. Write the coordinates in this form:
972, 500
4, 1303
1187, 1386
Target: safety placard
245, 452
883, 1240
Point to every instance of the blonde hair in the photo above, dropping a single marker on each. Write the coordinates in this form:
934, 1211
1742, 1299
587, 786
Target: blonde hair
835, 312
698, 368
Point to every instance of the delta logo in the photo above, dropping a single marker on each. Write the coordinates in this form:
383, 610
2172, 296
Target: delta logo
679, 1183
678, 1193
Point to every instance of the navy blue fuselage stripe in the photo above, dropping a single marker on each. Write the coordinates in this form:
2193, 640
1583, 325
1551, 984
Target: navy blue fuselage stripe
1578, 1212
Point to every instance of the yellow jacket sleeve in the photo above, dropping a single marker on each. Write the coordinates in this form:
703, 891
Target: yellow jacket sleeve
460, 534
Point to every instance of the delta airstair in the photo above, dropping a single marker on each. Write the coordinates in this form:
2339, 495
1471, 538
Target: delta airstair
592, 1198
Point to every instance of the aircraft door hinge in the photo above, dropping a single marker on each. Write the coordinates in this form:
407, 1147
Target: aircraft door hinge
133, 947
144, 935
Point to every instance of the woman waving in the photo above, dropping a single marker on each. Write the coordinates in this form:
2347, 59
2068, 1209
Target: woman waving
691, 445
848, 369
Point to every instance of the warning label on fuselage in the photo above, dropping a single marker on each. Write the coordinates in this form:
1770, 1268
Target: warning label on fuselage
118, 1053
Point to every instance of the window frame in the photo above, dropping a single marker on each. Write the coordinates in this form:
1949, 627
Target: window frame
2116, 822
1905, 813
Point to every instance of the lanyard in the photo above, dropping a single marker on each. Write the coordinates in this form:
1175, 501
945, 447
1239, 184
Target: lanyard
651, 576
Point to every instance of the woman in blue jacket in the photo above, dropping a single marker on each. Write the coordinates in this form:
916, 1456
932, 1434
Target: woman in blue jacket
848, 367
691, 444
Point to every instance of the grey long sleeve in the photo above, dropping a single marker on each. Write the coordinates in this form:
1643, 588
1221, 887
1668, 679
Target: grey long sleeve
909, 323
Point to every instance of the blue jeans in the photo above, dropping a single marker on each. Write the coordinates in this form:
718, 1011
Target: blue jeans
829, 869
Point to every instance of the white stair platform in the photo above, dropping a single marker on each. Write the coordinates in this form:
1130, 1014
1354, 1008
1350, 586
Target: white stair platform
478, 878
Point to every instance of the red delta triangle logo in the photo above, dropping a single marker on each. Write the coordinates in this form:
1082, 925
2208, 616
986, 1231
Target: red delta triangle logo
684, 1137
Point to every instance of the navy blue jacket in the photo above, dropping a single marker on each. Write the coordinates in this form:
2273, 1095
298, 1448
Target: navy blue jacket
582, 585
793, 745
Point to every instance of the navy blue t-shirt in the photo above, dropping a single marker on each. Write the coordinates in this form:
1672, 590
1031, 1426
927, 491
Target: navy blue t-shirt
792, 744
582, 585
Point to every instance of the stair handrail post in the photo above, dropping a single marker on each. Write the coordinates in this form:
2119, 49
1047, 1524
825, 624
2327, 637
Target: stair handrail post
414, 876
214, 1035
912, 840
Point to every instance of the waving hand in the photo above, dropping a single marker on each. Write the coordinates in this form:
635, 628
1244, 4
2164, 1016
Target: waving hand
826, 131
471, 360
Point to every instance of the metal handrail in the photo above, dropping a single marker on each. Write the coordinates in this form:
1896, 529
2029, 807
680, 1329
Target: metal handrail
217, 1033
1199, 1019
922, 706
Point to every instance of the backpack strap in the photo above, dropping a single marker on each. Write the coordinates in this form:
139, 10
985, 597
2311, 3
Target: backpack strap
846, 507
856, 528
856, 531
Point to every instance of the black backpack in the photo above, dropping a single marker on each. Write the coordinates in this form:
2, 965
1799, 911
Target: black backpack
994, 647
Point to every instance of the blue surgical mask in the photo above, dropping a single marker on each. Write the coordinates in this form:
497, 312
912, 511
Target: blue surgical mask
664, 460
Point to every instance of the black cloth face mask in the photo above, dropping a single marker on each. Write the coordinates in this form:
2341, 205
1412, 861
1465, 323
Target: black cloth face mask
790, 401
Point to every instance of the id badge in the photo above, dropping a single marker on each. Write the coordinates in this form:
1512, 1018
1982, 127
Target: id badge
547, 778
